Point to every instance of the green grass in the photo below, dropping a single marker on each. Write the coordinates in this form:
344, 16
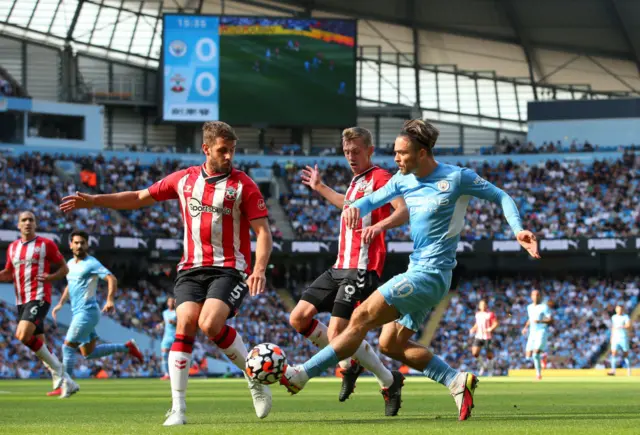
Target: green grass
283, 93
569, 405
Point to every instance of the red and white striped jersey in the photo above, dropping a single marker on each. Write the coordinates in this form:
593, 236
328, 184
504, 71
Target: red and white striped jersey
216, 210
353, 252
484, 319
27, 260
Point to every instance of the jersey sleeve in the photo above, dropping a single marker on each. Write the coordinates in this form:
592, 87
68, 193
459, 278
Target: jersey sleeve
252, 205
9, 264
98, 269
167, 188
381, 178
378, 198
546, 312
474, 185
492, 317
53, 253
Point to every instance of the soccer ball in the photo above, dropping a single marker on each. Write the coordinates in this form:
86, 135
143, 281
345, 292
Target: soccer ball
266, 363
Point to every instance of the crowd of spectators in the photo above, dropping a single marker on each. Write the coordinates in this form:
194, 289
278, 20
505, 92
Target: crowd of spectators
580, 332
508, 146
557, 200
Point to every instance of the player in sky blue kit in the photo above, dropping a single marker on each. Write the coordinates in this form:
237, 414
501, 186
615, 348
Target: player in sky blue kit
620, 327
169, 321
84, 272
538, 324
437, 195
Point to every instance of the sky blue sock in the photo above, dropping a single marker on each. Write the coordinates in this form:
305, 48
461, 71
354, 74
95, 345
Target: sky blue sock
440, 371
107, 349
321, 361
69, 358
165, 362
627, 364
536, 364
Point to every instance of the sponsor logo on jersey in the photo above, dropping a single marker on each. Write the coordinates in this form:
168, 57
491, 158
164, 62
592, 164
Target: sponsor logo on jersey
196, 208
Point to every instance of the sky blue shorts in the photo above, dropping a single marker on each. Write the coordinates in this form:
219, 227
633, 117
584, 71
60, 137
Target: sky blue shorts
537, 341
415, 292
620, 345
167, 341
83, 326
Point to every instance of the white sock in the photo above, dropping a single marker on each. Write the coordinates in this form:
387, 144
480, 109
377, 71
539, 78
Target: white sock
346, 363
318, 334
179, 365
48, 359
371, 362
237, 352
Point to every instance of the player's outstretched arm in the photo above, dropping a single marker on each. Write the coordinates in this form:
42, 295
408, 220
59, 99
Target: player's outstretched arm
62, 271
311, 177
526, 327
400, 216
258, 280
367, 204
472, 184
130, 200
60, 304
6, 275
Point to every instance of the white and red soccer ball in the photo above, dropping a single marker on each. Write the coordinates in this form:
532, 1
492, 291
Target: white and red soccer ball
266, 363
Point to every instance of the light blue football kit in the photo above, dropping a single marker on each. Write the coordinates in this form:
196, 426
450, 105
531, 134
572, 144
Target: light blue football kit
537, 331
619, 335
437, 205
168, 337
82, 280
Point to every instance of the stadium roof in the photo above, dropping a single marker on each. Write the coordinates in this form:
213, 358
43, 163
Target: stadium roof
608, 28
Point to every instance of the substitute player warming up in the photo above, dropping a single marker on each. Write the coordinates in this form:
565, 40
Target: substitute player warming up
437, 195
84, 272
486, 323
357, 270
219, 204
29, 261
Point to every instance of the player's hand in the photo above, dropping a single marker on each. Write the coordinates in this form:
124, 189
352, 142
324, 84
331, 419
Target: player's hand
370, 233
529, 242
351, 217
43, 277
524, 331
6, 275
109, 306
77, 201
257, 282
311, 177
54, 313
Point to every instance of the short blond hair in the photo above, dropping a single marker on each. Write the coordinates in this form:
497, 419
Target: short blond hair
352, 133
215, 129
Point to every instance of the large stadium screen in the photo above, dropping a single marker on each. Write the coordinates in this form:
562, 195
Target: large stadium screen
259, 70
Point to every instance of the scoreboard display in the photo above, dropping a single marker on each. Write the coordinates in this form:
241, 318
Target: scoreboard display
259, 70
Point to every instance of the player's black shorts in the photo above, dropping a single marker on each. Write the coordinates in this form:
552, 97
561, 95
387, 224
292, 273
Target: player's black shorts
479, 342
340, 291
34, 312
224, 283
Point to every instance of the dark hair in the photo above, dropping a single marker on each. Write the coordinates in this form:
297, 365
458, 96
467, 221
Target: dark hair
420, 133
79, 233
214, 129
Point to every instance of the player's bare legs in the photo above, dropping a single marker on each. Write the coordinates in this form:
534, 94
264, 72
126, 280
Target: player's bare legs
373, 312
25, 333
180, 360
396, 343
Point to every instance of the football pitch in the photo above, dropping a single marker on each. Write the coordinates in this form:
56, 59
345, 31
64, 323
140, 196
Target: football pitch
554, 405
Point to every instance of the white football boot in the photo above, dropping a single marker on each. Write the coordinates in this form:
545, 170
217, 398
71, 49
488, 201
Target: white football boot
69, 387
261, 395
294, 379
175, 418
462, 389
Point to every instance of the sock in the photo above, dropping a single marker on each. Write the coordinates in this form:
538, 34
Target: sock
107, 349
320, 362
613, 364
346, 363
231, 344
371, 362
536, 364
165, 362
627, 363
316, 332
179, 365
42, 352
69, 358
440, 371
